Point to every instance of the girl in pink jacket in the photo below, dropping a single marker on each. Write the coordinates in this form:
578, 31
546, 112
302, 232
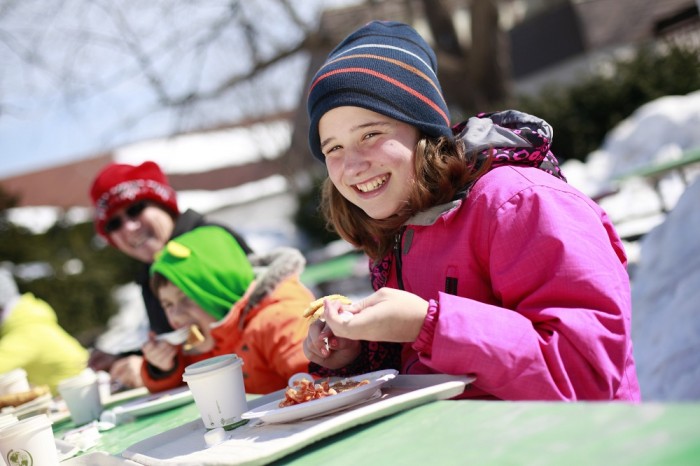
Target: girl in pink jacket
484, 260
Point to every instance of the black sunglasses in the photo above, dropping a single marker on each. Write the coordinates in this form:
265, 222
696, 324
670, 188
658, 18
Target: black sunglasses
133, 211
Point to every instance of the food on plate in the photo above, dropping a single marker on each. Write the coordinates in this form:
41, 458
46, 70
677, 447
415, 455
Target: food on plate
347, 384
19, 398
194, 338
306, 390
315, 309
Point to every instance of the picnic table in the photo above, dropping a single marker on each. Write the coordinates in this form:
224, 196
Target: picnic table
448, 432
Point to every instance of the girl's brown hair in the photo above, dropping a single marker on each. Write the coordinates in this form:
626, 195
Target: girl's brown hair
443, 168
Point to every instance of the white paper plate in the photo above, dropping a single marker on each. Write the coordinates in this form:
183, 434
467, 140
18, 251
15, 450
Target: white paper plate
156, 402
271, 413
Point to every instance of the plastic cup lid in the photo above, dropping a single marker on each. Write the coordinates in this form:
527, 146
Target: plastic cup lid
86, 377
24, 426
7, 419
212, 364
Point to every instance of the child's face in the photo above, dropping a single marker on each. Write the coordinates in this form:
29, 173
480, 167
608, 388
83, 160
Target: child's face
181, 311
369, 158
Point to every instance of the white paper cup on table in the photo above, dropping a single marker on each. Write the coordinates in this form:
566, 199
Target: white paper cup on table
218, 391
5, 420
104, 382
14, 381
82, 396
29, 442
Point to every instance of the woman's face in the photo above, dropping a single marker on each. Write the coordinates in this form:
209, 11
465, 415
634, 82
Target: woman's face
143, 235
182, 312
369, 158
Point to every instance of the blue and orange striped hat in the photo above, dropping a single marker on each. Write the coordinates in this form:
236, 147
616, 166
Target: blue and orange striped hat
385, 67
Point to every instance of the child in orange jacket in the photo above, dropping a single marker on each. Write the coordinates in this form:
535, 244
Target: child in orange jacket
203, 278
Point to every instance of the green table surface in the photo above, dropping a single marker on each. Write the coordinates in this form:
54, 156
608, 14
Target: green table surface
116, 440
482, 433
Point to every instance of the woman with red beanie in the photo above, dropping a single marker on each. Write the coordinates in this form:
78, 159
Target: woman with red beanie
136, 211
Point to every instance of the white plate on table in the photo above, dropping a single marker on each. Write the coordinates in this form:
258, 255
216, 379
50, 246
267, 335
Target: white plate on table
271, 413
156, 402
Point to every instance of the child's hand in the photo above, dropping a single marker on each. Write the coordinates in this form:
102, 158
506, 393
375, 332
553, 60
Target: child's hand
159, 353
386, 315
326, 349
127, 371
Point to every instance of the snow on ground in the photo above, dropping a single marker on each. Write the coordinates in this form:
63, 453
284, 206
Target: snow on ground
666, 269
128, 329
666, 300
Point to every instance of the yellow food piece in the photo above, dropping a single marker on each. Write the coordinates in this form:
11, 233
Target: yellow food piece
315, 309
194, 338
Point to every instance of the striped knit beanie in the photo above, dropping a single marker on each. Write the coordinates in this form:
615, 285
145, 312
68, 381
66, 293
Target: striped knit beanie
385, 67
120, 185
209, 266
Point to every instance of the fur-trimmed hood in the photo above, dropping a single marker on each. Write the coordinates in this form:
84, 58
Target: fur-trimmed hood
271, 269
509, 137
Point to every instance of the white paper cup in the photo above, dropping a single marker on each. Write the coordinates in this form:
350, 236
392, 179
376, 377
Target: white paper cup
104, 381
6, 420
14, 381
29, 442
82, 396
218, 391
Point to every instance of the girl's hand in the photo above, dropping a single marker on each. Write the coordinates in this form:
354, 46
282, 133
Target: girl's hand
327, 350
159, 354
386, 315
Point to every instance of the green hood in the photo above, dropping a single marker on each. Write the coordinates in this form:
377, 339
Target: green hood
209, 266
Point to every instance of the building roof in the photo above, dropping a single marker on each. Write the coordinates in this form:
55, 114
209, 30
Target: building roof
61, 186
576, 27
614, 22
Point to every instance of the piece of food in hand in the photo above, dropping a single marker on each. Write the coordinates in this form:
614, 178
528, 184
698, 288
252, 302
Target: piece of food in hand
194, 338
315, 309
306, 390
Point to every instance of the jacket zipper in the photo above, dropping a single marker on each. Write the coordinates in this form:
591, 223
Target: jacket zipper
397, 255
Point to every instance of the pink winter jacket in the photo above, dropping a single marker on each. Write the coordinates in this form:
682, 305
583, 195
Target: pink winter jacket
539, 299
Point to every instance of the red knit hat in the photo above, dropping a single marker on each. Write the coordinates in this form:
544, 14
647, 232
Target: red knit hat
120, 185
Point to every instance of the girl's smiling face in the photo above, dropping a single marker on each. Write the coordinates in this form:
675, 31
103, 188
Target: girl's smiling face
369, 158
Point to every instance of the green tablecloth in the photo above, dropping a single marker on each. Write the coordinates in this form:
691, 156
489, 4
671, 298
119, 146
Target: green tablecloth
483, 433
